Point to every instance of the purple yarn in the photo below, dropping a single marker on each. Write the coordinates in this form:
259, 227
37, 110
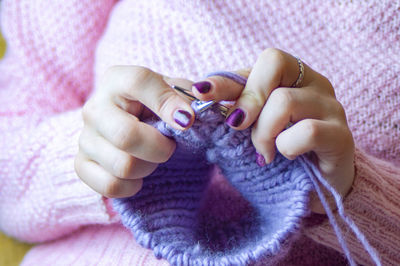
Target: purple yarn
164, 215
230, 75
316, 177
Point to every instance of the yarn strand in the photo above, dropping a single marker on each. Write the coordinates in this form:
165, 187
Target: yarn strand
316, 176
230, 75
307, 165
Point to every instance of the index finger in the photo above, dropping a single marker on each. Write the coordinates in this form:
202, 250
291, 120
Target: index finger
140, 84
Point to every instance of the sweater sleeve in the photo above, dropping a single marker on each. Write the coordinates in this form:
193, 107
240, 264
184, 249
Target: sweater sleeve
45, 78
41, 197
374, 206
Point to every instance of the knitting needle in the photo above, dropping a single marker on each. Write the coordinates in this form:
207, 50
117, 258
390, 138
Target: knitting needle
200, 106
184, 91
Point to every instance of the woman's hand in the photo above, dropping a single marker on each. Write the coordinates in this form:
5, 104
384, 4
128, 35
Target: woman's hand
116, 149
269, 103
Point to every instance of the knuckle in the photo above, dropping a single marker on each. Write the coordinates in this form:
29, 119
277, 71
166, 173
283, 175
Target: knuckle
113, 188
273, 55
253, 97
163, 101
124, 136
339, 110
221, 83
271, 52
349, 139
126, 77
138, 76
327, 85
123, 166
259, 140
112, 71
345, 138
109, 77
87, 142
117, 71
311, 128
325, 80
283, 98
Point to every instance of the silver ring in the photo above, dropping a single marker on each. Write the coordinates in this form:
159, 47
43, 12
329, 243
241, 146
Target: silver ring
301, 74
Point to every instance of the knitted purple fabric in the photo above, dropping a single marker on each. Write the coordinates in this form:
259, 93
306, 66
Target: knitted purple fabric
164, 215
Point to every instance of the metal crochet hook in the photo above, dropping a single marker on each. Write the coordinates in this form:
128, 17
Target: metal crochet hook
198, 105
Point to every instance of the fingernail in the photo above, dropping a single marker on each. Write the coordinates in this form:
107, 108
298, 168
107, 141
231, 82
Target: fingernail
182, 118
260, 160
202, 86
235, 118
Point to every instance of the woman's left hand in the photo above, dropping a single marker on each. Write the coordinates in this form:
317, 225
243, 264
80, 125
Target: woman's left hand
268, 103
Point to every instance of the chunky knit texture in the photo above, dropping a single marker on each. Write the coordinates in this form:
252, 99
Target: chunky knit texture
350, 42
57, 51
164, 215
168, 224
45, 76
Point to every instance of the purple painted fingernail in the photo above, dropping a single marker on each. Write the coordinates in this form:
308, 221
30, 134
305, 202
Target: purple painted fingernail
202, 86
182, 117
235, 118
260, 160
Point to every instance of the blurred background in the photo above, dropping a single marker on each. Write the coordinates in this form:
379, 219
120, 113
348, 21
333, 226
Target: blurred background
2, 45
11, 251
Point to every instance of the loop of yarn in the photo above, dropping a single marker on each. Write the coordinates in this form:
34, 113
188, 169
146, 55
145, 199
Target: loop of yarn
164, 215
316, 177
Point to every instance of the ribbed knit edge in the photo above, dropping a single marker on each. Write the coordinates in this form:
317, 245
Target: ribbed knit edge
49, 200
95, 245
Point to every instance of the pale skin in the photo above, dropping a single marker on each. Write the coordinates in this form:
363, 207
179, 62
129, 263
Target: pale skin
117, 150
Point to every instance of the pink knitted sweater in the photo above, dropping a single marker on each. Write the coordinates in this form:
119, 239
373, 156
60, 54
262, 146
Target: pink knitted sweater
57, 50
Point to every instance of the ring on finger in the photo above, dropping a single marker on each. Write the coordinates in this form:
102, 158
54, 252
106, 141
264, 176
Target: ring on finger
301, 73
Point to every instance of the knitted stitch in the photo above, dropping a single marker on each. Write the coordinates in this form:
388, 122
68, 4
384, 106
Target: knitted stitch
48, 70
349, 42
163, 216
220, 154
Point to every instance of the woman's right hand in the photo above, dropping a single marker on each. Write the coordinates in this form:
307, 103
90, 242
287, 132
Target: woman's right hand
116, 149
